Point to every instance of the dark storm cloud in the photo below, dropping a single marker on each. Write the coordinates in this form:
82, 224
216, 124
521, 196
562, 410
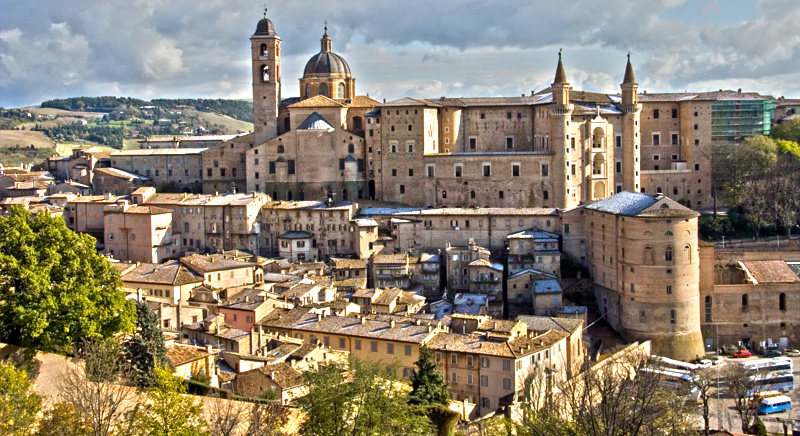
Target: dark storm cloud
150, 48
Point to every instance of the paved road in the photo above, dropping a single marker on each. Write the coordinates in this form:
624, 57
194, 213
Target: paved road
724, 415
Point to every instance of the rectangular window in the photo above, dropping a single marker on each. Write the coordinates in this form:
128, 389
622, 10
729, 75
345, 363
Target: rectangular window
470, 379
430, 170
469, 361
674, 139
507, 384
618, 166
473, 142
291, 166
484, 380
656, 139
484, 362
358, 344
454, 359
506, 365
459, 170
390, 348
408, 350
509, 142
669, 289
618, 141
272, 167
373, 345
515, 170
487, 170
545, 170
655, 114
674, 113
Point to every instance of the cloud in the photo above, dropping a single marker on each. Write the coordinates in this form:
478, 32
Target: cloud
151, 48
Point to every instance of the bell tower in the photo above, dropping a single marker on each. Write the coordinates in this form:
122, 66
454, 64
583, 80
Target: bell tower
265, 46
631, 150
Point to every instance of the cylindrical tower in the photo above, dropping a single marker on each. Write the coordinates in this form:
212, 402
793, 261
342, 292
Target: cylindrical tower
564, 154
660, 266
631, 150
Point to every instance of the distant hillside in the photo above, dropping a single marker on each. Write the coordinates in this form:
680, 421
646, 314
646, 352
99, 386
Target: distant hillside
237, 109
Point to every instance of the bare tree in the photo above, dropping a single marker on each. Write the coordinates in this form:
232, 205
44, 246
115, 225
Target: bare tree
267, 419
704, 381
622, 396
742, 388
227, 417
94, 393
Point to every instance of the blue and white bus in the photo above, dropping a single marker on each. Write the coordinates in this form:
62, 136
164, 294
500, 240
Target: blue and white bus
774, 404
782, 381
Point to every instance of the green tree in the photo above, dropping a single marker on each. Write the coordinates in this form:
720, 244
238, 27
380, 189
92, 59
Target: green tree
168, 412
145, 350
359, 399
789, 130
18, 403
55, 289
428, 386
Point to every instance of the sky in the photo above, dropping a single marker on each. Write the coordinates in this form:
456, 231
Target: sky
418, 48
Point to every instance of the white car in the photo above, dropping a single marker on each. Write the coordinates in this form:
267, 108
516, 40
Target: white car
705, 363
792, 352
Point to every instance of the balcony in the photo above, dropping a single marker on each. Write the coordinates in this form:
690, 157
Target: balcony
484, 279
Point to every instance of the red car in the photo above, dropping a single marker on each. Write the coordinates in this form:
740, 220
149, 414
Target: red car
742, 354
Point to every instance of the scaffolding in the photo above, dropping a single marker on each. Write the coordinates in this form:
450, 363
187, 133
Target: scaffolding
734, 120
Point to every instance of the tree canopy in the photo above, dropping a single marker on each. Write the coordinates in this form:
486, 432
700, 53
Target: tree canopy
18, 404
360, 399
55, 289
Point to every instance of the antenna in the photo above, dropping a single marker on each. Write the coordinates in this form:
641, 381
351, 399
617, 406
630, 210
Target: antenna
265, 10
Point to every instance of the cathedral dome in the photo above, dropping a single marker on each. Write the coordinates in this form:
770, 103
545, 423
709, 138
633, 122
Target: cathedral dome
327, 62
265, 27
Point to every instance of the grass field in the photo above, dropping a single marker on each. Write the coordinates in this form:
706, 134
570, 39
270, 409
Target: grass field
63, 113
23, 139
230, 124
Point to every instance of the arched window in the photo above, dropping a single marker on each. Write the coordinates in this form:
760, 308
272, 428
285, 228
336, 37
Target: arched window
745, 301
598, 138
358, 124
323, 89
598, 165
263, 50
308, 90
280, 149
668, 254
340, 91
687, 253
668, 233
649, 257
289, 195
782, 301
708, 308
264, 73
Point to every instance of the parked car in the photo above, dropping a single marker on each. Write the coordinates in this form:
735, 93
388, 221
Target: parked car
772, 353
792, 352
742, 354
704, 363
716, 360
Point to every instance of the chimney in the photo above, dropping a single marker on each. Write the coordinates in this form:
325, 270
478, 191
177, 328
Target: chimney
363, 320
391, 324
430, 328
319, 317
272, 375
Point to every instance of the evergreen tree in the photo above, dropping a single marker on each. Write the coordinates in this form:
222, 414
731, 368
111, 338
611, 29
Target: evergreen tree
55, 289
428, 384
145, 350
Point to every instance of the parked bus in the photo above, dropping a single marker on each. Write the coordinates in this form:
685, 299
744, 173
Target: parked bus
774, 405
668, 363
782, 381
774, 364
758, 396
679, 380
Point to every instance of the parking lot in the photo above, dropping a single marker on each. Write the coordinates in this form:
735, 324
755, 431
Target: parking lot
724, 415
